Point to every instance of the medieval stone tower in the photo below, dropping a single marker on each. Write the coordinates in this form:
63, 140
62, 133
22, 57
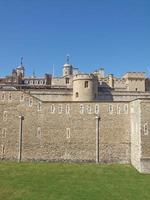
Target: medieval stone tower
85, 87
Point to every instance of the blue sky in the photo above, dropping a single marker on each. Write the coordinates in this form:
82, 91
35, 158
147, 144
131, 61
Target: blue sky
114, 34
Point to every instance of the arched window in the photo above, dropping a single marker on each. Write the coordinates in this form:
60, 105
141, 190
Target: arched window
77, 94
81, 109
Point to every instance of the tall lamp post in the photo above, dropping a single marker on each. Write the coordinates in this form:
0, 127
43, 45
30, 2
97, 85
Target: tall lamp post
97, 138
21, 118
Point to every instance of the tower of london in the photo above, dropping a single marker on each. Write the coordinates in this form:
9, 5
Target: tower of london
76, 117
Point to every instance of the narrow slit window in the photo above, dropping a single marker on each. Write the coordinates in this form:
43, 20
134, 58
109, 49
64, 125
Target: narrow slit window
86, 84
67, 133
118, 109
38, 132
60, 109
30, 101
110, 109
52, 108
22, 97
3, 96
81, 109
9, 96
67, 109
126, 108
39, 106
4, 131
89, 109
145, 129
96, 109
5, 115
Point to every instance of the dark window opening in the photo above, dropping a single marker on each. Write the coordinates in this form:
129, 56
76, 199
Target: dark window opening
77, 94
86, 84
67, 80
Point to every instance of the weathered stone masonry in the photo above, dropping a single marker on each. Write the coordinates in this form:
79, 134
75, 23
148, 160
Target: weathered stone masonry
65, 131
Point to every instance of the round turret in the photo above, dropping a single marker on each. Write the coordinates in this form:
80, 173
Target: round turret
20, 71
67, 69
85, 87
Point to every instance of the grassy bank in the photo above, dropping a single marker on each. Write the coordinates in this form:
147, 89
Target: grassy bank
59, 181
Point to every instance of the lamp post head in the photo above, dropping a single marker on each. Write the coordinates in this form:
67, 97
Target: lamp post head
97, 117
21, 117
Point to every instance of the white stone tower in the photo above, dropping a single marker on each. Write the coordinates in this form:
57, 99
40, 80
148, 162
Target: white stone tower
67, 68
85, 87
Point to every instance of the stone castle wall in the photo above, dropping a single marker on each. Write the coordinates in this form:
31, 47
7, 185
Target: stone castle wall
145, 135
64, 131
135, 111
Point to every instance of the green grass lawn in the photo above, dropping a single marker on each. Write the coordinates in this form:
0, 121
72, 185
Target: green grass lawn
61, 181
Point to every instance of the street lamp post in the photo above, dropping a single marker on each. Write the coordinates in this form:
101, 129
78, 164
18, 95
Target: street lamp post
97, 138
21, 117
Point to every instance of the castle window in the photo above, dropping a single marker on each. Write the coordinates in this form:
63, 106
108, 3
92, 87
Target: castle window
36, 82
67, 133
60, 109
52, 108
39, 106
30, 101
145, 129
126, 108
38, 134
86, 84
22, 97
136, 89
41, 82
77, 94
31, 82
3, 96
26, 81
5, 116
9, 96
96, 109
67, 80
4, 133
81, 109
110, 110
67, 109
89, 110
118, 109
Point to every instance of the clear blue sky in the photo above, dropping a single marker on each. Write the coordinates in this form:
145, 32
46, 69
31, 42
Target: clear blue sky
114, 34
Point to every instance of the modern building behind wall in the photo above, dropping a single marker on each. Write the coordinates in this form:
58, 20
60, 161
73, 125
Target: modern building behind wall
76, 117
